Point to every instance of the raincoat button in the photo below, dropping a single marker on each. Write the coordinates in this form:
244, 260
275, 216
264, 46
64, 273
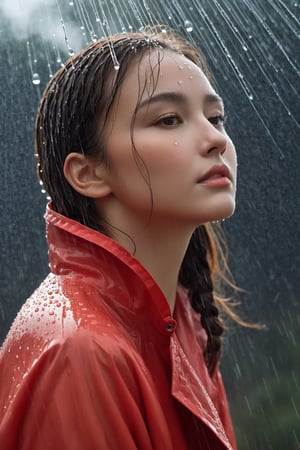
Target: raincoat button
170, 325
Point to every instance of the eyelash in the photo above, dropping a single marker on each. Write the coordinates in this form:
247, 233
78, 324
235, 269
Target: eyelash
168, 116
220, 118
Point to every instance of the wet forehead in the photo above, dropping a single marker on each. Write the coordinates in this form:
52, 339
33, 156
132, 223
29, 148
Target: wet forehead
162, 71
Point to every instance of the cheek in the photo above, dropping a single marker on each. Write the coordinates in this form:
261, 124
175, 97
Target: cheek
157, 151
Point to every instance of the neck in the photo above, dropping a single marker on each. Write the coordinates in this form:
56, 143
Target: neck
161, 253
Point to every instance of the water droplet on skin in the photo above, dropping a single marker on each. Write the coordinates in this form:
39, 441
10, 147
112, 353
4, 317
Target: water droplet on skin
180, 82
188, 26
36, 79
176, 143
180, 67
190, 77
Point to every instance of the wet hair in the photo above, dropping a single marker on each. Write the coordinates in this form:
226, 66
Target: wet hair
72, 116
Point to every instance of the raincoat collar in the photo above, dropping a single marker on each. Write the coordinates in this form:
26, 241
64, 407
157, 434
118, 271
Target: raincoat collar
75, 247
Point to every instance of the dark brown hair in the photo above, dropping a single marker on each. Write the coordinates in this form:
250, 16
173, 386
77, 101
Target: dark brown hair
71, 118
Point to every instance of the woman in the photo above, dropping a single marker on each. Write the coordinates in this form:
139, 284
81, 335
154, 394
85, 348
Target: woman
119, 347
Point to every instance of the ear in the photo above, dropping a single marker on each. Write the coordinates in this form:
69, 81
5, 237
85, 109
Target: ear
86, 176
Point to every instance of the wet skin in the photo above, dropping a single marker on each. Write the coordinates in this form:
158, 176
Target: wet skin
179, 135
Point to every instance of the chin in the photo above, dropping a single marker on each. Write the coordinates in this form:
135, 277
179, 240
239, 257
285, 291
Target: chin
221, 212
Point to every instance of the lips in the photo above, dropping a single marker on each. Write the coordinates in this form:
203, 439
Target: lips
217, 171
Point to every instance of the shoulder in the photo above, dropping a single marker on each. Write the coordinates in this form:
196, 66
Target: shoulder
58, 323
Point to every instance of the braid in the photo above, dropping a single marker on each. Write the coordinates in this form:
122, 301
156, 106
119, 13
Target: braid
196, 275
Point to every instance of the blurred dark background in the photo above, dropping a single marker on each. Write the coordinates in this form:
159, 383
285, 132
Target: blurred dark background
254, 58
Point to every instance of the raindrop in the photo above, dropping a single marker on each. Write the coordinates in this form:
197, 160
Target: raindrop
71, 3
94, 37
188, 26
36, 78
71, 51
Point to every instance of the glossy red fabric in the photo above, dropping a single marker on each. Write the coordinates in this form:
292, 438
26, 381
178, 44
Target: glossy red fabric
94, 359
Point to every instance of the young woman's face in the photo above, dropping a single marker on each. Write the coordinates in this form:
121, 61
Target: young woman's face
180, 137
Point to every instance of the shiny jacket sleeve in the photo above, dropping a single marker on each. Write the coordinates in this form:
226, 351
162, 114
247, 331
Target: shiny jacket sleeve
81, 394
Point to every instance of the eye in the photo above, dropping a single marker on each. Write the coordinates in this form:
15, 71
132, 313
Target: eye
217, 121
169, 121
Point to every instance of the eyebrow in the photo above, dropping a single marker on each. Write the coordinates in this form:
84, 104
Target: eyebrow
177, 97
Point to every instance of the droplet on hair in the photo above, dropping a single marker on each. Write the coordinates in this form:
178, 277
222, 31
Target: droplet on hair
94, 37
36, 79
188, 26
117, 66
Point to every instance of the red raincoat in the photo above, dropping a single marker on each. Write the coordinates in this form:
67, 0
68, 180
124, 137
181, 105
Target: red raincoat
95, 361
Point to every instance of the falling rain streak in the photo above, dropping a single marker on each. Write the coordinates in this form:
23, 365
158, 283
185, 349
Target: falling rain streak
94, 19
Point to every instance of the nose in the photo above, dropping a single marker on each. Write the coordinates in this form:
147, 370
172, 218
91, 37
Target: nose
212, 138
